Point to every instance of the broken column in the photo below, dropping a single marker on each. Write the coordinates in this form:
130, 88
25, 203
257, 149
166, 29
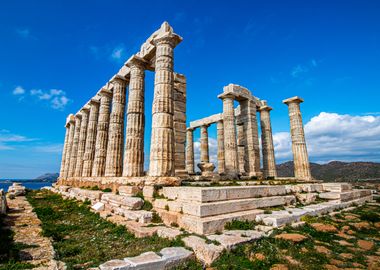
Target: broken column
74, 150
89, 151
190, 151
220, 139
114, 159
230, 146
67, 146
179, 124
82, 141
300, 156
99, 165
269, 163
162, 138
134, 133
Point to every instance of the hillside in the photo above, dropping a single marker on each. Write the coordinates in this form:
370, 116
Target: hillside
335, 170
48, 177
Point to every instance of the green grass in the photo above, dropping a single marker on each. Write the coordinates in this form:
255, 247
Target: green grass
9, 250
240, 225
80, 236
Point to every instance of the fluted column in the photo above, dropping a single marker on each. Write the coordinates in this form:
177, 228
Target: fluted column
99, 166
205, 158
190, 151
220, 139
162, 139
230, 146
114, 160
89, 152
269, 162
241, 145
300, 156
134, 133
67, 146
74, 150
248, 112
82, 141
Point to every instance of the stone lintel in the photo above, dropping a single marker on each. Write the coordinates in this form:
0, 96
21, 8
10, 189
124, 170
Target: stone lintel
265, 108
118, 77
207, 120
295, 99
136, 60
124, 71
78, 115
94, 100
105, 91
70, 119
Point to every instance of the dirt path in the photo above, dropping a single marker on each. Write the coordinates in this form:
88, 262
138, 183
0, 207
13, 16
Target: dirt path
27, 231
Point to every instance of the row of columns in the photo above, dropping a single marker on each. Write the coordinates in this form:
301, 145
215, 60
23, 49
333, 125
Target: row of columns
94, 140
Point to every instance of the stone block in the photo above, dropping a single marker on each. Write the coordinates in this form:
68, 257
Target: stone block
115, 265
175, 256
167, 232
180, 107
337, 187
162, 204
146, 261
140, 231
98, 206
178, 96
230, 239
140, 216
306, 198
130, 203
207, 253
128, 190
148, 191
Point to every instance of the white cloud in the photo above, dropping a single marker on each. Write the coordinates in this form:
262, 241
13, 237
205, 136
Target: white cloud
18, 91
298, 70
332, 136
23, 32
49, 148
8, 139
117, 53
56, 97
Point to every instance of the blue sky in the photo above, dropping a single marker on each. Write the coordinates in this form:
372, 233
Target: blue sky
55, 55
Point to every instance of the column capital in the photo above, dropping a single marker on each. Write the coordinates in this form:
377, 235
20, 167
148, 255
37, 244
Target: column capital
167, 38
295, 99
93, 101
118, 79
226, 96
85, 109
136, 61
265, 108
70, 119
191, 128
105, 92
205, 126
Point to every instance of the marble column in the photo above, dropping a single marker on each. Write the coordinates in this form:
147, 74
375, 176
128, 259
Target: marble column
220, 139
67, 146
99, 166
134, 133
190, 151
248, 112
114, 160
89, 152
82, 141
205, 158
300, 156
230, 146
162, 138
241, 145
269, 162
74, 150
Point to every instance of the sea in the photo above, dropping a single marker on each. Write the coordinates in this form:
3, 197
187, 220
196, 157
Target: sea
28, 183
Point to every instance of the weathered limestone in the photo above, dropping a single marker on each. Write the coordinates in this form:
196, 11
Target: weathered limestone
269, 162
204, 144
248, 115
190, 151
74, 150
220, 139
99, 166
66, 147
162, 139
134, 142
82, 141
230, 146
114, 159
241, 145
207, 253
89, 152
179, 124
300, 156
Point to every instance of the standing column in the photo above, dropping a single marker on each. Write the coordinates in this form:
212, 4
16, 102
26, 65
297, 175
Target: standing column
102, 133
248, 111
190, 151
88, 158
241, 145
269, 162
230, 146
82, 141
162, 139
220, 139
67, 146
114, 160
204, 145
134, 142
74, 150
300, 156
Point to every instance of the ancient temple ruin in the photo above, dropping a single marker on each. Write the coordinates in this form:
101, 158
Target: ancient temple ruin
100, 149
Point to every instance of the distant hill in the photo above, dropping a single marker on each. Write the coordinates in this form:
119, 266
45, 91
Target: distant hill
335, 170
48, 177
